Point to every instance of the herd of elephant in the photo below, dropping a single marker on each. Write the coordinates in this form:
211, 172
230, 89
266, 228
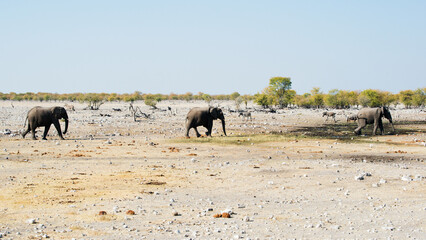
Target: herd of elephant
39, 116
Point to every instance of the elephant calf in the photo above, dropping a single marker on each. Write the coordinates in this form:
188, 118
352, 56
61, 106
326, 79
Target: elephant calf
203, 117
39, 116
373, 115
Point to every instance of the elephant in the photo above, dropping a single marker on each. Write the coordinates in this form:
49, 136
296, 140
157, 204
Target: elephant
373, 115
329, 114
203, 117
39, 116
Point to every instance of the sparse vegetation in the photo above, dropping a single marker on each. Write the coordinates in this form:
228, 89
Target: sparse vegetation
278, 94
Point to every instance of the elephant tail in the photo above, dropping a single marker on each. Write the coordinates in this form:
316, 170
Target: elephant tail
25, 123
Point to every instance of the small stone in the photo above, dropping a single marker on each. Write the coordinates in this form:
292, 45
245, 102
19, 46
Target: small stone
31, 220
406, 178
130, 212
359, 177
336, 227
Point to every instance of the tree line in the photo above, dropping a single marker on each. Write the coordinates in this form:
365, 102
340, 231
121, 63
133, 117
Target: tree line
277, 94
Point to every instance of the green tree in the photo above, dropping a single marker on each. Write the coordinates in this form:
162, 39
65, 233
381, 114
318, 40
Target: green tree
388, 98
370, 98
317, 97
206, 97
304, 100
406, 97
278, 87
150, 100
234, 95
419, 97
263, 99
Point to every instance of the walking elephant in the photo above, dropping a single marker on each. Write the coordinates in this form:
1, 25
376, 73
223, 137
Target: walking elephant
203, 117
373, 115
39, 116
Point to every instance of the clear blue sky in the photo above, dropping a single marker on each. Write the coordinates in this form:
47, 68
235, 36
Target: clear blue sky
215, 47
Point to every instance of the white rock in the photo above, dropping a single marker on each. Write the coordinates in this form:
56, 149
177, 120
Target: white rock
228, 211
336, 227
406, 178
359, 177
31, 221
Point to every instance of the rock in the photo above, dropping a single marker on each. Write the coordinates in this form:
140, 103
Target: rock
175, 213
390, 228
359, 177
130, 212
336, 227
228, 211
418, 177
406, 178
31, 221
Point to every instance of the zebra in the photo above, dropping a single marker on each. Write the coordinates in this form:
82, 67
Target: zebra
245, 115
329, 114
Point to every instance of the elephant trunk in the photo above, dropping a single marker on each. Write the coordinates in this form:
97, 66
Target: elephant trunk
390, 121
223, 125
66, 125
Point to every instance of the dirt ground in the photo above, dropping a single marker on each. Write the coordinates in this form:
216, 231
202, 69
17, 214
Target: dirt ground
284, 175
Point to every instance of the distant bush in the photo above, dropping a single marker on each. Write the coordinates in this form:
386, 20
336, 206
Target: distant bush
278, 93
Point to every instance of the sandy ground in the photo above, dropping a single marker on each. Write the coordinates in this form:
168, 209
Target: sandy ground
288, 175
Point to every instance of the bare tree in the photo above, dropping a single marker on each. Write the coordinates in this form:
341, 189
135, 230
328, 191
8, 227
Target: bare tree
136, 112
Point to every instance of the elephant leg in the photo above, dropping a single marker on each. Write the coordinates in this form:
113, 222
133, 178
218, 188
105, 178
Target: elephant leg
361, 124
196, 131
209, 129
188, 127
187, 132
58, 128
376, 125
33, 131
381, 127
46, 129
26, 131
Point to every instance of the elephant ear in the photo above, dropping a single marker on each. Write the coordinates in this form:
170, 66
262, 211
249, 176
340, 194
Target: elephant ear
214, 112
56, 112
386, 113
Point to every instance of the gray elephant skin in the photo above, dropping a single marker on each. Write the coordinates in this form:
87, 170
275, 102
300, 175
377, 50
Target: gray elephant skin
39, 116
203, 117
373, 116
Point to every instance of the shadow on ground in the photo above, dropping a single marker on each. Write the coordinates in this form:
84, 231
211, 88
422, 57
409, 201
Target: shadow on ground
345, 131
